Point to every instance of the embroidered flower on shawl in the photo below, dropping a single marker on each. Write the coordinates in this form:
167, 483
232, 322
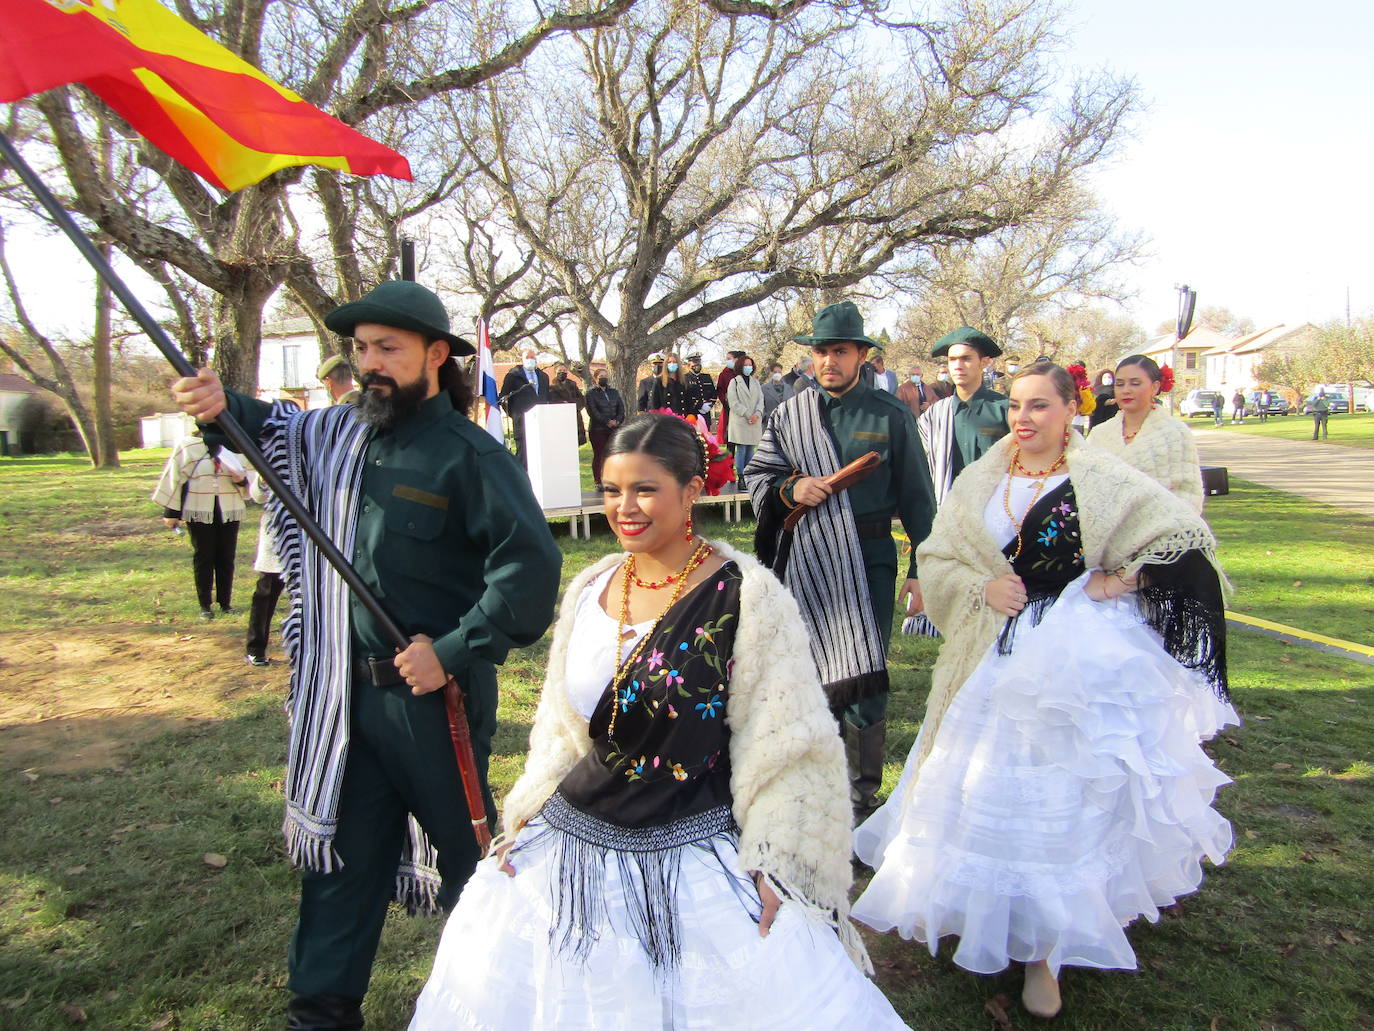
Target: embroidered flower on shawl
678, 772
655, 660
1049, 535
636, 769
674, 677
710, 707
628, 694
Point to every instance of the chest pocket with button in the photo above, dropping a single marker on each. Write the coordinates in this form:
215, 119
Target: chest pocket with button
411, 527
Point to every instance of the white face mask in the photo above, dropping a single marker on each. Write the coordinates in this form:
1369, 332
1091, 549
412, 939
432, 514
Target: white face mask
1107, 381
530, 364
777, 377
748, 370
944, 377
1012, 369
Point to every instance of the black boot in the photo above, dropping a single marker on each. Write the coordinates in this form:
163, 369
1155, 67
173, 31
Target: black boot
324, 1013
864, 748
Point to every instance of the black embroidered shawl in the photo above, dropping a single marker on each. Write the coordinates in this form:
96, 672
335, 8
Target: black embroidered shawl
669, 756
1181, 601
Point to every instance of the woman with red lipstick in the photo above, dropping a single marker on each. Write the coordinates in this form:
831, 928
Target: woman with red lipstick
1057, 790
1146, 436
673, 851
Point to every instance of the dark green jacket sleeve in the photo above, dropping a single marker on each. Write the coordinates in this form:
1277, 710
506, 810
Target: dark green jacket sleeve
520, 571
915, 490
249, 412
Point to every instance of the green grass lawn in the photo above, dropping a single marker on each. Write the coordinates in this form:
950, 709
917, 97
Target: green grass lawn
1349, 430
106, 904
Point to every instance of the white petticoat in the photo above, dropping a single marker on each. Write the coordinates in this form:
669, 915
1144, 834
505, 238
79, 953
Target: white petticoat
497, 969
1066, 795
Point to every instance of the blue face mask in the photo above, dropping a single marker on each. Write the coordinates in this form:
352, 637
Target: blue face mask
672, 366
914, 378
748, 370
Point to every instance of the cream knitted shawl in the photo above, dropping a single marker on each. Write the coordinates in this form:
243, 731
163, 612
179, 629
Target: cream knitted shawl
1163, 450
1126, 521
788, 781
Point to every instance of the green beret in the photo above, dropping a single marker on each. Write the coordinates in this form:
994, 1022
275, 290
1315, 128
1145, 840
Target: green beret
975, 338
329, 365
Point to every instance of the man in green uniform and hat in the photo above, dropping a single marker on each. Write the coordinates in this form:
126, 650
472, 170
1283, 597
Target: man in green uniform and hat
336, 376
841, 560
439, 520
958, 429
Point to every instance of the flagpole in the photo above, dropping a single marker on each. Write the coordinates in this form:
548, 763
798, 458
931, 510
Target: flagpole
247, 447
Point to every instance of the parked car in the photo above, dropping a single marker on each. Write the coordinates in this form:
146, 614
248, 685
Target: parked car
1338, 402
1198, 402
1277, 404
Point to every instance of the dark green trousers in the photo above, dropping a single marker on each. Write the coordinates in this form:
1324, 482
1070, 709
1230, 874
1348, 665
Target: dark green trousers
400, 761
880, 568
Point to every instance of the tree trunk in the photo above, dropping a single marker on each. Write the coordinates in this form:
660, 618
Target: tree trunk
238, 337
104, 452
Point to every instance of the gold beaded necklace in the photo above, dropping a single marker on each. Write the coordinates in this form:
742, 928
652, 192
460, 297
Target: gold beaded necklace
1040, 479
628, 574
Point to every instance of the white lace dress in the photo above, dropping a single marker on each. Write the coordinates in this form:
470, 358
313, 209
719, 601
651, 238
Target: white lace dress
1066, 794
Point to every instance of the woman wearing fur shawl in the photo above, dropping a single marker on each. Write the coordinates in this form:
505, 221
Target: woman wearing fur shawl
1148, 438
674, 853
1057, 789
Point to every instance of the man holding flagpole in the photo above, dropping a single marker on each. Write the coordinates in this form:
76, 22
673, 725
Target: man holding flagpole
454, 543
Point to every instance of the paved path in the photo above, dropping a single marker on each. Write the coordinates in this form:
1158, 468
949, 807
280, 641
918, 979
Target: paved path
1330, 473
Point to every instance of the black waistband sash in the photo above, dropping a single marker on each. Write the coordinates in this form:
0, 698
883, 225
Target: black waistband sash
648, 860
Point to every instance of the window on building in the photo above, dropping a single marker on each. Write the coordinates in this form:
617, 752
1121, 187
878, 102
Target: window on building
290, 366
1190, 360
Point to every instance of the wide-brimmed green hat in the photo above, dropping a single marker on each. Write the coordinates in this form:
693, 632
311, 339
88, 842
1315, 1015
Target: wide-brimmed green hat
402, 304
975, 338
837, 322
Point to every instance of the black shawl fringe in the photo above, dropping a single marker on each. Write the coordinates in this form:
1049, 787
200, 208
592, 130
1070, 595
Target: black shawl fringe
648, 861
1192, 632
846, 692
1037, 605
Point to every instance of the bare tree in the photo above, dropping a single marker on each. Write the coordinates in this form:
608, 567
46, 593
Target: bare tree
738, 158
353, 58
1015, 283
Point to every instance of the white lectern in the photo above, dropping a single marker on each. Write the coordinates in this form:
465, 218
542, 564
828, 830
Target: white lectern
551, 451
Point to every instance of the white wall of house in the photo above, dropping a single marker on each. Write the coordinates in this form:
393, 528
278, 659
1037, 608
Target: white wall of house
287, 362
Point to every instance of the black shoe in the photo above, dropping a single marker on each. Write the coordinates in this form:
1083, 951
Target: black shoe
324, 1013
207, 614
229, 610
257, 660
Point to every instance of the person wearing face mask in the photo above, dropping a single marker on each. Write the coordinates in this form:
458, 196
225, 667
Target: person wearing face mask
525, 386
605, 413
700, 389
915, 393
727, 373
1104, 394
746, 413
775, 391
565, 391
645, 389
669, 393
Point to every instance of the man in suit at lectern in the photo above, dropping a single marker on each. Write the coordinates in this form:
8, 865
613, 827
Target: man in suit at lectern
525, 386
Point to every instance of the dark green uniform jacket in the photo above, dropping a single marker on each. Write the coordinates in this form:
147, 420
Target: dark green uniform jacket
979, 423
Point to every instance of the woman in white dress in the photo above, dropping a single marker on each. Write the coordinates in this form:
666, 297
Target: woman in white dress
1057, 789
1148, 437
670, 854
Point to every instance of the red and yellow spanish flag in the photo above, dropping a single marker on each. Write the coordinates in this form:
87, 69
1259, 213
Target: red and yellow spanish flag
212, 111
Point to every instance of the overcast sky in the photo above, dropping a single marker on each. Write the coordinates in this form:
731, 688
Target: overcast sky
1253, 163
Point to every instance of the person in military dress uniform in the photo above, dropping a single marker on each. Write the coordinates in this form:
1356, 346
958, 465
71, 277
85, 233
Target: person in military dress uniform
842, 562
699, 389
440, 522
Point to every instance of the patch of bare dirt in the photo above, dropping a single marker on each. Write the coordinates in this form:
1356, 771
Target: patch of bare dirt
80, 699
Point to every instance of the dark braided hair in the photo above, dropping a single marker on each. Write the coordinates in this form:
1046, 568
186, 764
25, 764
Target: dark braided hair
668, 440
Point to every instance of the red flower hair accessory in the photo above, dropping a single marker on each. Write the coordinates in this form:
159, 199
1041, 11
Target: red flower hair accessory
1087, 402
1166, 379
720, 464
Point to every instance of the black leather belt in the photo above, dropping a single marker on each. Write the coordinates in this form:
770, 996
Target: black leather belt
874, 530
378, 672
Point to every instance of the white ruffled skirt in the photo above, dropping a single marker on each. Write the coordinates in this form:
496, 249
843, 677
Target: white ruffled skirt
1066, 794
499, 969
